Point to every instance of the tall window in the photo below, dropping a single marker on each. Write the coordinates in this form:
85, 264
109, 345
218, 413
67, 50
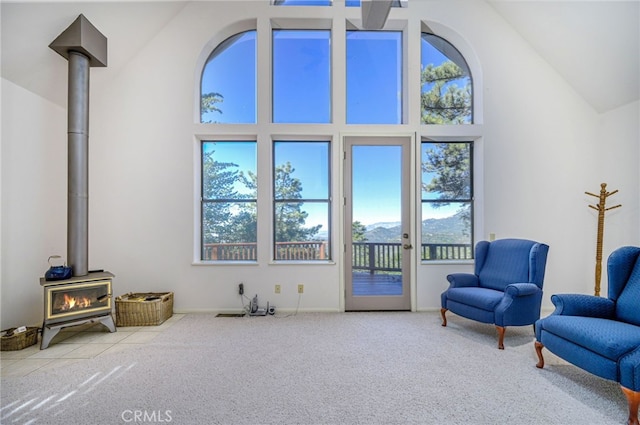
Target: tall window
374, 77
229, 204
446, 94
301, 204
302, 93
228, 85
447, 201
301, 76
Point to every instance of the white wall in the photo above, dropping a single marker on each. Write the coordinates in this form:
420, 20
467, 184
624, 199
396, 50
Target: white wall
617, 166
34, 191
542, 147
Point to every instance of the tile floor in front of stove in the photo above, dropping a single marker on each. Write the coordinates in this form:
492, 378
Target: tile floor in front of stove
78, 343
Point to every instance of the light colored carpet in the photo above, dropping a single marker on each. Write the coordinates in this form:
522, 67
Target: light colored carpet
318, 368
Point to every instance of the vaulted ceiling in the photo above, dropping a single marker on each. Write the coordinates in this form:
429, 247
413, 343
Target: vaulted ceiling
594, 45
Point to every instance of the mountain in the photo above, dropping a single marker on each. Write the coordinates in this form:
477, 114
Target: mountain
385, 224
445, 230
384, 234
440, 230
436, 230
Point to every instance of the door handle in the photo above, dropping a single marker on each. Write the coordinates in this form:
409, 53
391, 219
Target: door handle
407, 246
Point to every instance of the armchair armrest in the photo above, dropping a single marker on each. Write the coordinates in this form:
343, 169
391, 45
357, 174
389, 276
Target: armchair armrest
521, 289
583, 305
459, 280
520, 305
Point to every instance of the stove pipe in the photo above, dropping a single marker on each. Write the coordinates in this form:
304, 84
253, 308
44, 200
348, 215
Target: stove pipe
78, 164
83, 46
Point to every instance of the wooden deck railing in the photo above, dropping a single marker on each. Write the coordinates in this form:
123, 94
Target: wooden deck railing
378, 256
312, 250
370, 256
446, 251
306, 250
230, 251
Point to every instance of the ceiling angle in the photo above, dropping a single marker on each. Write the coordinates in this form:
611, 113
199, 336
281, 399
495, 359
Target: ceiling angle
375, 13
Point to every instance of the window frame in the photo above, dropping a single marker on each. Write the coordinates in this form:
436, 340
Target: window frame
224, 44
263, 130
466, 68
402, 63
206, 201
329, 58
327, 201
470, 200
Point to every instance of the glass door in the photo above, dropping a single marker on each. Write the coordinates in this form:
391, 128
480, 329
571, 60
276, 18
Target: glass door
377, 222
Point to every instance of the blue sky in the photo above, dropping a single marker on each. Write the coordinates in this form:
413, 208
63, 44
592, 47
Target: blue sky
302, 94
232, 74
301, 76
376, 183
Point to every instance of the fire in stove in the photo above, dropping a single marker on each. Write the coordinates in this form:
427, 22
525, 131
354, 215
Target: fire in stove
74, 303
71, 302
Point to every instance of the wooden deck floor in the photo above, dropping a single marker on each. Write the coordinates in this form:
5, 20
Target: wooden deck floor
377, 284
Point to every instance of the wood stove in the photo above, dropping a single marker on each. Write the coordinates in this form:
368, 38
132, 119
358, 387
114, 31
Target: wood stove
86, 297
75, 301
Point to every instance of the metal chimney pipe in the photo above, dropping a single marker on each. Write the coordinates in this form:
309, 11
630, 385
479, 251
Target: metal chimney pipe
83, 46
78, 166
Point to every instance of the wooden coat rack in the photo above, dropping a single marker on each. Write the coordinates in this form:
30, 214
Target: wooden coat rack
600, 207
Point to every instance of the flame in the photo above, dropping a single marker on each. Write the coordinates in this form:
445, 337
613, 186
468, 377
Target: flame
73, 302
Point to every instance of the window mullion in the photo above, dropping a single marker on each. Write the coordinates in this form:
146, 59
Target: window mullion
264, 77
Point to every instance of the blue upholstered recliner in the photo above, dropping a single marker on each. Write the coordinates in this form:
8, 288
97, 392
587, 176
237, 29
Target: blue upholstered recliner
601, 335
505, 289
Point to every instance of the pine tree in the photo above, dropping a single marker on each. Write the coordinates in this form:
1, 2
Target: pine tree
289, 216
358, 232
208, 102
450, 165
442, 100
218, 180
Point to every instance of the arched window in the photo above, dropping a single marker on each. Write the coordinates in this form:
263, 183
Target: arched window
228, 85
312, 93
446, 87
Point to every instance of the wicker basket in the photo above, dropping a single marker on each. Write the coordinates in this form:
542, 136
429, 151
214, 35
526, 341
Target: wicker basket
12, 341
143, 309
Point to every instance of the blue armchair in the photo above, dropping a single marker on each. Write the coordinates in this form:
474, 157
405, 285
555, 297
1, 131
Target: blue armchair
506, 288
601, 335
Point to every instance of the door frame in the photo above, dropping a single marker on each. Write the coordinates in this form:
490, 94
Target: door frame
414, 238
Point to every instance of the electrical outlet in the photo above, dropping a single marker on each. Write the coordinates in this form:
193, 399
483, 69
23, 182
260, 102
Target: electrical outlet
241, 289
277, 290
300, 289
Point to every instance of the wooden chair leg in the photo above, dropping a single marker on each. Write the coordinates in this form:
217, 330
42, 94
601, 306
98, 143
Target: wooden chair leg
501, 330
444, 319
539, 348
633, 398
